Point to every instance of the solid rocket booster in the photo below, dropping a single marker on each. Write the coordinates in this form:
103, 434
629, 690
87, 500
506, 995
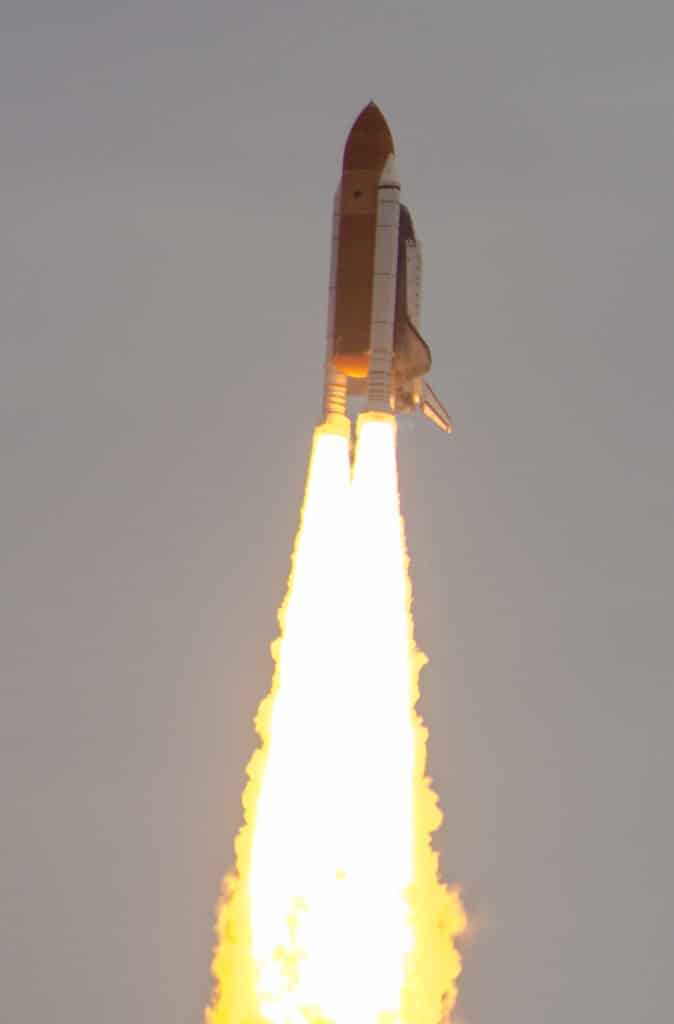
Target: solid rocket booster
374, 347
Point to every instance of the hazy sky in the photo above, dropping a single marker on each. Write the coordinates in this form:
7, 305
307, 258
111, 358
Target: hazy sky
167, 177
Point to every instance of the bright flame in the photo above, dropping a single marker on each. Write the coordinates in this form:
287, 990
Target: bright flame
337, 913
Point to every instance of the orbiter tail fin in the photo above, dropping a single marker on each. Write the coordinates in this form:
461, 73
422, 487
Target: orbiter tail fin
432, 407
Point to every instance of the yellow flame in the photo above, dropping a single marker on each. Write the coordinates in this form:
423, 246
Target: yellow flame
336, 912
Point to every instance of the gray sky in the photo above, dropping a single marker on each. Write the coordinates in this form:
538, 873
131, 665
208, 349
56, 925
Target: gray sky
167, 175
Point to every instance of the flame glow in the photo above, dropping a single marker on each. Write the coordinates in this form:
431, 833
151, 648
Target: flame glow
336, 913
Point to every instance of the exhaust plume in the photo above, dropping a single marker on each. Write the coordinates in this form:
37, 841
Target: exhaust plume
336, 912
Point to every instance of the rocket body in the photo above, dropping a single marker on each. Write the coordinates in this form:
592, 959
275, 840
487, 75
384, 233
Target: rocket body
373, 344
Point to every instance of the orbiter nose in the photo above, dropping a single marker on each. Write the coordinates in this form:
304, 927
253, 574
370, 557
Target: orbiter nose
369, 142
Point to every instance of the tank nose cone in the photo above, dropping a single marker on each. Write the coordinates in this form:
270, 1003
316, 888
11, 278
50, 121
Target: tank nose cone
369, 142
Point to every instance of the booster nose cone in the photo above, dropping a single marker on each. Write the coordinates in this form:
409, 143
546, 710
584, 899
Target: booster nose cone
369, 142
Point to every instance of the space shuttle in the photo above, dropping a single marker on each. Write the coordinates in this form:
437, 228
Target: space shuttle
374, 345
